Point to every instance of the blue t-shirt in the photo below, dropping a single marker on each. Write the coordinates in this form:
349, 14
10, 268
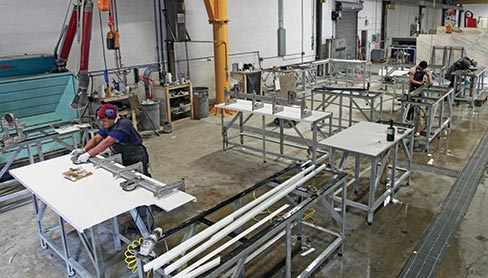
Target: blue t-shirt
123, 131
128, 141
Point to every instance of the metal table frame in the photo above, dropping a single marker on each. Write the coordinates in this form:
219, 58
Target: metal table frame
440, 63
378, 165
330, 94
476, 85
39, 136
87, 228
432, 101
232, 263
351, 72
289, 114
89, 239
329, 71
305, 75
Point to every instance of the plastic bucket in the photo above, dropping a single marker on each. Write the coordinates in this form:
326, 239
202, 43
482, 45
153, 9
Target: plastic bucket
150, 116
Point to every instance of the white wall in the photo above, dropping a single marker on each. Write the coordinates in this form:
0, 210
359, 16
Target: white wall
399, 20
328, 25
402, 16
431, 18
478, 10
252, 27
34, 27
369, 19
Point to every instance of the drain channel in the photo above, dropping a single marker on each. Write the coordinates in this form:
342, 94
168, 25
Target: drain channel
432, 169
425, 260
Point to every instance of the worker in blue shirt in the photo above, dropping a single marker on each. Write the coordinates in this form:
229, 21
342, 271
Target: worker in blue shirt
116, 133
119, 134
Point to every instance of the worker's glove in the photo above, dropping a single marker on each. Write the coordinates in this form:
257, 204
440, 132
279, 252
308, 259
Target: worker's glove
77, 152
83, 158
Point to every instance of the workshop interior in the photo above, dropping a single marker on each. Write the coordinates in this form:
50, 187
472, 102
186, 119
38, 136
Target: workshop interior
227, 138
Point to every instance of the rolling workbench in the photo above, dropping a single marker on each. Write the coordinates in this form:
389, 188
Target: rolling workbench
368, 140
468, 85
293, 115
85, 205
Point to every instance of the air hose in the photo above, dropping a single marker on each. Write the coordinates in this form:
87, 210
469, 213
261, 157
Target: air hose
130, 256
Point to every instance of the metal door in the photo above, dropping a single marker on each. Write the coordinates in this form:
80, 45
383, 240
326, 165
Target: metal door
347, 28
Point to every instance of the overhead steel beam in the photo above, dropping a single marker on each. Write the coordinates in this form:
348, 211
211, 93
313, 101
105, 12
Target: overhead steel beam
431, 4
461, 2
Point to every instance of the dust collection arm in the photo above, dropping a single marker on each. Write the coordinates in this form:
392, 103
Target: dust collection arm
81, 98
67, 38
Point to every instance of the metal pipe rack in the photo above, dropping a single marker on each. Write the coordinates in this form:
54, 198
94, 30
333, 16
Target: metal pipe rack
292, 115
231, 240
436, 103
329, 96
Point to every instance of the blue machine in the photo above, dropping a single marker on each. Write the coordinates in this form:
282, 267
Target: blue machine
35, 97
25, 64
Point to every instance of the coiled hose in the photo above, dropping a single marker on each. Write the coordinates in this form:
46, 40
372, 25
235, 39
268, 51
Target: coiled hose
130, 257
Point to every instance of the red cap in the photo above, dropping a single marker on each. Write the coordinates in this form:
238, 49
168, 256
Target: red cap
107, 111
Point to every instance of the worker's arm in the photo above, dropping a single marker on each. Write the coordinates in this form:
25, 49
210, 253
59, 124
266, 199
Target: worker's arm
429, 75
93, 142
413, 81
102, 145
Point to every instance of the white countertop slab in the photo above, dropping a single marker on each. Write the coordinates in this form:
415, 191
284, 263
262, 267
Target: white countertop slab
364, 138
91, 200
288, 113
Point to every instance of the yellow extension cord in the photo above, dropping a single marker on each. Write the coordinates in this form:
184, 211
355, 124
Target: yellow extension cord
307, 216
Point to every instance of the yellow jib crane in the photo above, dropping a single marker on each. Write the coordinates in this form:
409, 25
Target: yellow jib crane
217, 16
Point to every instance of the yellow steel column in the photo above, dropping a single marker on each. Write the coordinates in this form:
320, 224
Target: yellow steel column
217, 16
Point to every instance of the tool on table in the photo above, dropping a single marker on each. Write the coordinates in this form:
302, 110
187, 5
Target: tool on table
75, 174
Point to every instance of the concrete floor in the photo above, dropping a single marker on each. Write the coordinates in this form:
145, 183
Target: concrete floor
194, 152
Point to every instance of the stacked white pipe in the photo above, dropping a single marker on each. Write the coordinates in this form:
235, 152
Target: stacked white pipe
224, 227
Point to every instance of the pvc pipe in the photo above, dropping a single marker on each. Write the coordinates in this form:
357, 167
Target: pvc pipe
200, 270
183, 247
255, 253
230, 242
240, 221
